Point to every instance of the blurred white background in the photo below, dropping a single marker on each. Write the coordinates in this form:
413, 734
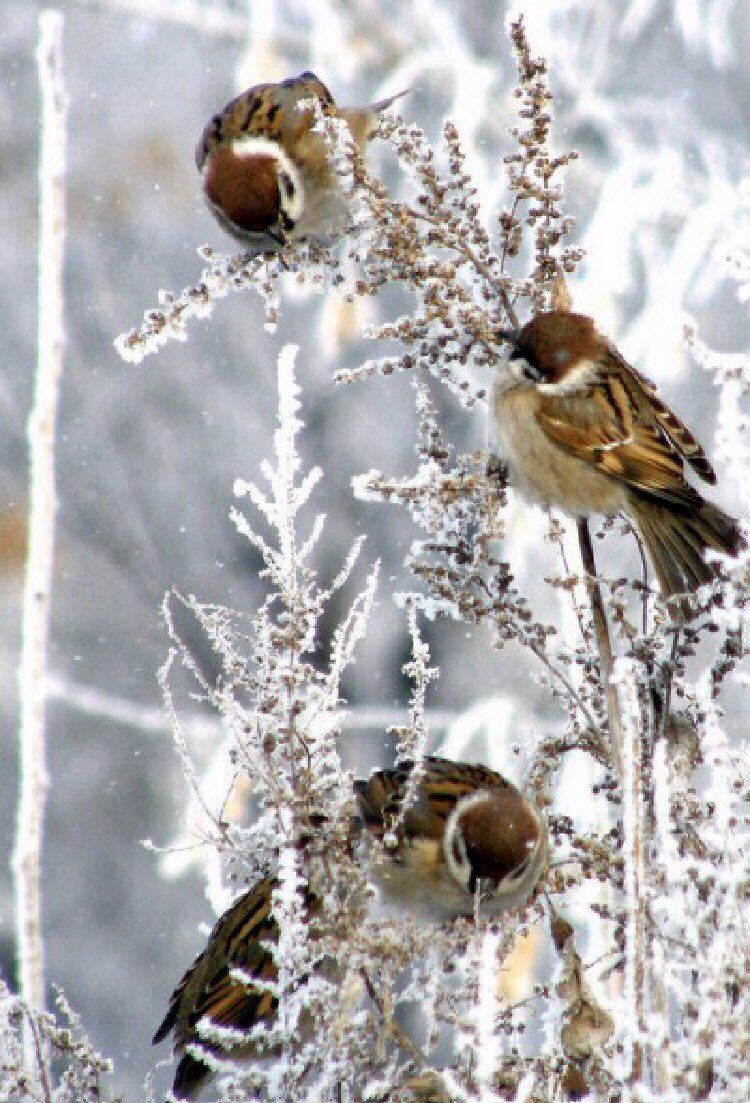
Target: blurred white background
654, 94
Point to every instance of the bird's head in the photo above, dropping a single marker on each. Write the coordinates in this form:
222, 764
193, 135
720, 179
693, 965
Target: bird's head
495, 844
253, 187
557, 351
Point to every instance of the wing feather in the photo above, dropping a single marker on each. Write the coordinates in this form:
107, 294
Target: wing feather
626, 432
443, 783
674, 429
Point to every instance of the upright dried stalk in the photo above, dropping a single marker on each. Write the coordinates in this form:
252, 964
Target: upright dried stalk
603, 644
32, 672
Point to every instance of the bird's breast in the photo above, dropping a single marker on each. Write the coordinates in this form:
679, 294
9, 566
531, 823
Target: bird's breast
418, 885
541, 470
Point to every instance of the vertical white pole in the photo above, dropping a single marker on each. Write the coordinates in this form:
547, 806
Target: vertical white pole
37, 585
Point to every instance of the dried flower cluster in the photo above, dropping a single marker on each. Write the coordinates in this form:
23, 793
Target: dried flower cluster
663, 1014
78, 1074
282, 717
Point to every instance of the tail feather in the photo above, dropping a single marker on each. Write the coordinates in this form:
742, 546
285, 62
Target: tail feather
677, 540
660, 553
363, 121
191, 1076
381, 105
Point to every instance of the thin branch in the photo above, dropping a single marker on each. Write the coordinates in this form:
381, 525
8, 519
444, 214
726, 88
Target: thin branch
666, 699
399, 1036
566, 682
37, 585
604, 646
39, 1049
483, 270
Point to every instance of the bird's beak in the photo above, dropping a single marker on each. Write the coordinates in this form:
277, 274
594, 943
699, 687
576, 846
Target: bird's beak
509, 335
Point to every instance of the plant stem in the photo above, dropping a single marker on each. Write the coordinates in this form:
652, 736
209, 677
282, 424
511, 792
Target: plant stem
33, 785
604, 646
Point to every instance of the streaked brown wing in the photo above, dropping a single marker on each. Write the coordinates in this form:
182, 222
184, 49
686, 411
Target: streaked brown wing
208, 988
234, 1003
677, 432
618, 432
304, 87
245, 114
443, 783
263, 109
379, 796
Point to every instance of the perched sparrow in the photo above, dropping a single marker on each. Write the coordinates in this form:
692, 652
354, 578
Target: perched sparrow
208, 991
584, 431
465, 831
267, 176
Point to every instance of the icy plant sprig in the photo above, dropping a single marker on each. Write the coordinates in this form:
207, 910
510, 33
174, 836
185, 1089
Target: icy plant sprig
532, 177
439, 245
281, 712
458, 508
76, 1075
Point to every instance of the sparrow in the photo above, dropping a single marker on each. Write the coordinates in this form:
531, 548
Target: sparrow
267, 176
452, 834
582, 430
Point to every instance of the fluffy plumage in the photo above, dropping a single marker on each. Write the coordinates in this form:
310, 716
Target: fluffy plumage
584, 431
267, 176
463, 830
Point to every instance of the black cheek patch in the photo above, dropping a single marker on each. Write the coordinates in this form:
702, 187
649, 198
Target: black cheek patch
287, 185
531, 369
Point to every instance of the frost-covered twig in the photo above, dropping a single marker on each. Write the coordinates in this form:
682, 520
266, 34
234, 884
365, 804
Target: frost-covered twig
281, 710
223, 275
37, 587
78, 1071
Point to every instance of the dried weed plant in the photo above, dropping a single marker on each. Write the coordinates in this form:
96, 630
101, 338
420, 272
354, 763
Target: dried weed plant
664, 1013
67, 1067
